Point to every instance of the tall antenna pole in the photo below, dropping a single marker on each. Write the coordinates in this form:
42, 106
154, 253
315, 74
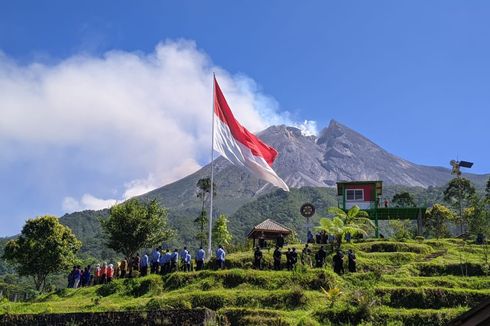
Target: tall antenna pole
212, 177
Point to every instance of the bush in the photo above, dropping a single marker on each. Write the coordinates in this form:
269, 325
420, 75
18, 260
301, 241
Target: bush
406, 297
137, 287
172, 303
109, 288
387, 246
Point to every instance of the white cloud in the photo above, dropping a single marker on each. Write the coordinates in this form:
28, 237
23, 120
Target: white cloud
143, 118
87, 201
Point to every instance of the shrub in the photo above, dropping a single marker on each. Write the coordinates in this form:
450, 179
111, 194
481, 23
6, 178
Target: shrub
109, 288
172, 303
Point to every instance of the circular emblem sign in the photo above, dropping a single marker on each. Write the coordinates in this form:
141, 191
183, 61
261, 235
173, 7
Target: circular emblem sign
307, 210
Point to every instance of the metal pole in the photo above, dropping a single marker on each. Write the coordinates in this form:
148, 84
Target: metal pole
212, 177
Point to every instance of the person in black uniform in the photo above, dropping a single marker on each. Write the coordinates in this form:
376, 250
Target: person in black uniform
258, 258
277, 259
320, 257
338, 263
352, 261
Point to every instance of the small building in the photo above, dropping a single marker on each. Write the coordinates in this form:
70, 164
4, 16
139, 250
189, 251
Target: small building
365, 194
268, 230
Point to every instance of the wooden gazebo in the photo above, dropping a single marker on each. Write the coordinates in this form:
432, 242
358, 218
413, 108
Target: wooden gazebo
268, 230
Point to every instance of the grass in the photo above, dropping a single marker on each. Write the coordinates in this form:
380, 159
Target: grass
398, 283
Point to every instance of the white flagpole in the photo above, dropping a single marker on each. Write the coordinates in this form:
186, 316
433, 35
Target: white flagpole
212, 179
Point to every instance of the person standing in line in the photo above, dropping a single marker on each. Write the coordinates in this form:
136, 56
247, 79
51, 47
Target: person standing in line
220, 257
338, 263
187, 262
155, 257
306, 256
288, 260
135, 264
182, 257
144, 262
168, 261
277, 259
174, 261
351, 261
71, 277
103, 274
86, 276
280, 241
110, 273
200, 256
162, 262
123, 267
320, 257
77, 276
294, 258
258, 258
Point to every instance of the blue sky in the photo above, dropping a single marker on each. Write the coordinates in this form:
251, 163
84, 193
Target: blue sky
81, 126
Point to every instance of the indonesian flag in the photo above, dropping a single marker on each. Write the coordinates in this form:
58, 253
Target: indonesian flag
240, 146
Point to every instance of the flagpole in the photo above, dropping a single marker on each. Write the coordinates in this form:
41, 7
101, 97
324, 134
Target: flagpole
212, 178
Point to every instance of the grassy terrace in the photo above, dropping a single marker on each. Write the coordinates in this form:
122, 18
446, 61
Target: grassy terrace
398, 283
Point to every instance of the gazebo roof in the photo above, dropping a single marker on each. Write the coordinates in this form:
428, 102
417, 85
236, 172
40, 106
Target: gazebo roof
270, 226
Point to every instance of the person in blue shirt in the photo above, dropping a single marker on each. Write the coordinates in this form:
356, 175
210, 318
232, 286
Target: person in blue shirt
155, 257
86, 276
220, 257
183, 253
174, 261
200, 256
144, 262
161, 262
187, 262
168, 259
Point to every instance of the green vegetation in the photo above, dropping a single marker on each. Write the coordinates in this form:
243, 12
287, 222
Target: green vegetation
398, 283
221, 235
133, 225
44, 247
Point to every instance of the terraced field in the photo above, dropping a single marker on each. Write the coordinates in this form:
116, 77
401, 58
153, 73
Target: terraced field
398, 283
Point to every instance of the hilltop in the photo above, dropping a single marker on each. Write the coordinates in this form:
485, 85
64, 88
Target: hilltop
398, 283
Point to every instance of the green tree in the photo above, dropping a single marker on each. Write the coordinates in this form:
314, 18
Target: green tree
221, 235
487, 190
458, 194
403, 199
354, 221
339, 229
45, 246
436, 219
478, 217
203, 193
133, 225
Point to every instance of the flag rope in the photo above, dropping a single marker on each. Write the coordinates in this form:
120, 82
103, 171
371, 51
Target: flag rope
212, 177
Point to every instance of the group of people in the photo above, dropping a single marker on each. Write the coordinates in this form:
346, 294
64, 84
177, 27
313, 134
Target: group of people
87, 276
306, 259
159, 261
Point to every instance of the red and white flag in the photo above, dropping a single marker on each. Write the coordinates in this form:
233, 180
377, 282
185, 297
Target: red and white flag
240, 146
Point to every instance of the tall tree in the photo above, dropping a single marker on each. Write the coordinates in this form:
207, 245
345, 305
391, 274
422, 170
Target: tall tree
458, 194
221, 235
45, 246
403, 199
133, 225
478, 217
436, 219
203, 193
487, 190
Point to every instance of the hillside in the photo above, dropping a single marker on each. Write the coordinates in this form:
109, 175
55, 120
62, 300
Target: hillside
397, 283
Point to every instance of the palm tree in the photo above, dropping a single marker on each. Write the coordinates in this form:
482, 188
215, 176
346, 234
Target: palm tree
354, 222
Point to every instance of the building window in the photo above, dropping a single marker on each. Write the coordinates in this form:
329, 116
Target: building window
354, 195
